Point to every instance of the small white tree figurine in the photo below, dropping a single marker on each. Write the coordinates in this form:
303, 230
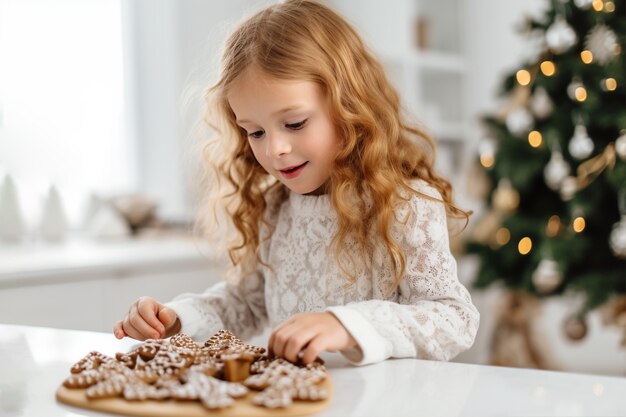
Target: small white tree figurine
54, 224
12, 225
107, 223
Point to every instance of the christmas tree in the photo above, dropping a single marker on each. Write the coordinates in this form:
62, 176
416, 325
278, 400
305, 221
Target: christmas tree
555, 218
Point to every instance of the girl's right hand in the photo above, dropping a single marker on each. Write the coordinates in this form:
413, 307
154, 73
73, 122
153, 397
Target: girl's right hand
147, 319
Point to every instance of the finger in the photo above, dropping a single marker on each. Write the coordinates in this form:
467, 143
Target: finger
148, 312
316, 346
272, 343
272, 340
281, 337
167, 317
270, 349
297, 341
130, 330
140, 325
118, 331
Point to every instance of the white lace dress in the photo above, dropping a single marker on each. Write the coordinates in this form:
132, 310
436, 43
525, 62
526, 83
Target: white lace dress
429, 316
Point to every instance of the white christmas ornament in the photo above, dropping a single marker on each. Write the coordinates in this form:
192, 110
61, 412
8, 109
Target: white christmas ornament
580, 145
583, 4
540, 103
569, 186
556, 170
560, 36
620, 146
505, 198
519, 121
602, 42
617, 240
12, 225
547, 277
575, 327
535, 45
487, 147
573, 86
54, 224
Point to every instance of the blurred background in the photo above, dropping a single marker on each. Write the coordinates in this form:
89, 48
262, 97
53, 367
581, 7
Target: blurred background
99, 108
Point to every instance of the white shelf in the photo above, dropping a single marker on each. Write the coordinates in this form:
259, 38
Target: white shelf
31, 264
441, 61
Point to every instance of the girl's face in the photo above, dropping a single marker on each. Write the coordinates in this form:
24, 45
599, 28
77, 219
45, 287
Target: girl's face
289, 129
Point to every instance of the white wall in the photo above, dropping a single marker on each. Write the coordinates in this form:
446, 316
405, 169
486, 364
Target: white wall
62, 104
493, 48
174, 46
153, 51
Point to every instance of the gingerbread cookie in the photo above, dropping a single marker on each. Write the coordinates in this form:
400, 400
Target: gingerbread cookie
224, 344
216, 374
282, 382
90, 362
92, 369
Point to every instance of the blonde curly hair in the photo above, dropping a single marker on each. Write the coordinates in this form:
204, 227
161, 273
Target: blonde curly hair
380, 154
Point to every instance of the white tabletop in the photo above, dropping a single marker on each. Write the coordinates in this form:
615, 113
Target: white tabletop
34, 361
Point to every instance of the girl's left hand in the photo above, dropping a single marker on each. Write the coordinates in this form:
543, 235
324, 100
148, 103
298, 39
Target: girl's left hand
310, 333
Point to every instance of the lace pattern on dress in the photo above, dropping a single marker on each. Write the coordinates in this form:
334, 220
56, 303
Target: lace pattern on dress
430, 315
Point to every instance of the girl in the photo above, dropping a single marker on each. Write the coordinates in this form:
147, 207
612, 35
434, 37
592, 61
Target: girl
341, 219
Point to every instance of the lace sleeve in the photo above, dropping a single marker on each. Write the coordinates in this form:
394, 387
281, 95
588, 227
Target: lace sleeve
237, 305
431, 315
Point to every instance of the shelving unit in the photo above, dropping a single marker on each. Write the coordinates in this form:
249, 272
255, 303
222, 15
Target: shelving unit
420, 43
88, 285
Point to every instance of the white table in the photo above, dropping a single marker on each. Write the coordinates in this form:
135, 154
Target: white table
35, 360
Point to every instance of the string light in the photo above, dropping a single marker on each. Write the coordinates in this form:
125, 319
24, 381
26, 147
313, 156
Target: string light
548, 68
535, 138
554, 226
525, 245
580, 93
609, 7
487, 160
579, 224
523, 77
586, 56
487, 151
609, 84
503, 236
598, 5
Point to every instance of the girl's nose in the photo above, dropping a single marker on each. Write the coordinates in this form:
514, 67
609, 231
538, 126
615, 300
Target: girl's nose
278, 145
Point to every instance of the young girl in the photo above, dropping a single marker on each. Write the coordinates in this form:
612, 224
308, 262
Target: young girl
341, 219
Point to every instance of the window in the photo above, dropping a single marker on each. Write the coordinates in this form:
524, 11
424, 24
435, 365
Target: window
63, 106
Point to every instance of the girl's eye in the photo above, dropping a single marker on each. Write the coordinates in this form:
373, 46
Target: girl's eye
257, 134
297, 126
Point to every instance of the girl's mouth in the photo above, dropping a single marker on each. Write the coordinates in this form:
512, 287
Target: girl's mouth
293, 172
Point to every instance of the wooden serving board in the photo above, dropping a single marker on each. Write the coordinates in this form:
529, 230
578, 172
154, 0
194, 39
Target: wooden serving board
150, 408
